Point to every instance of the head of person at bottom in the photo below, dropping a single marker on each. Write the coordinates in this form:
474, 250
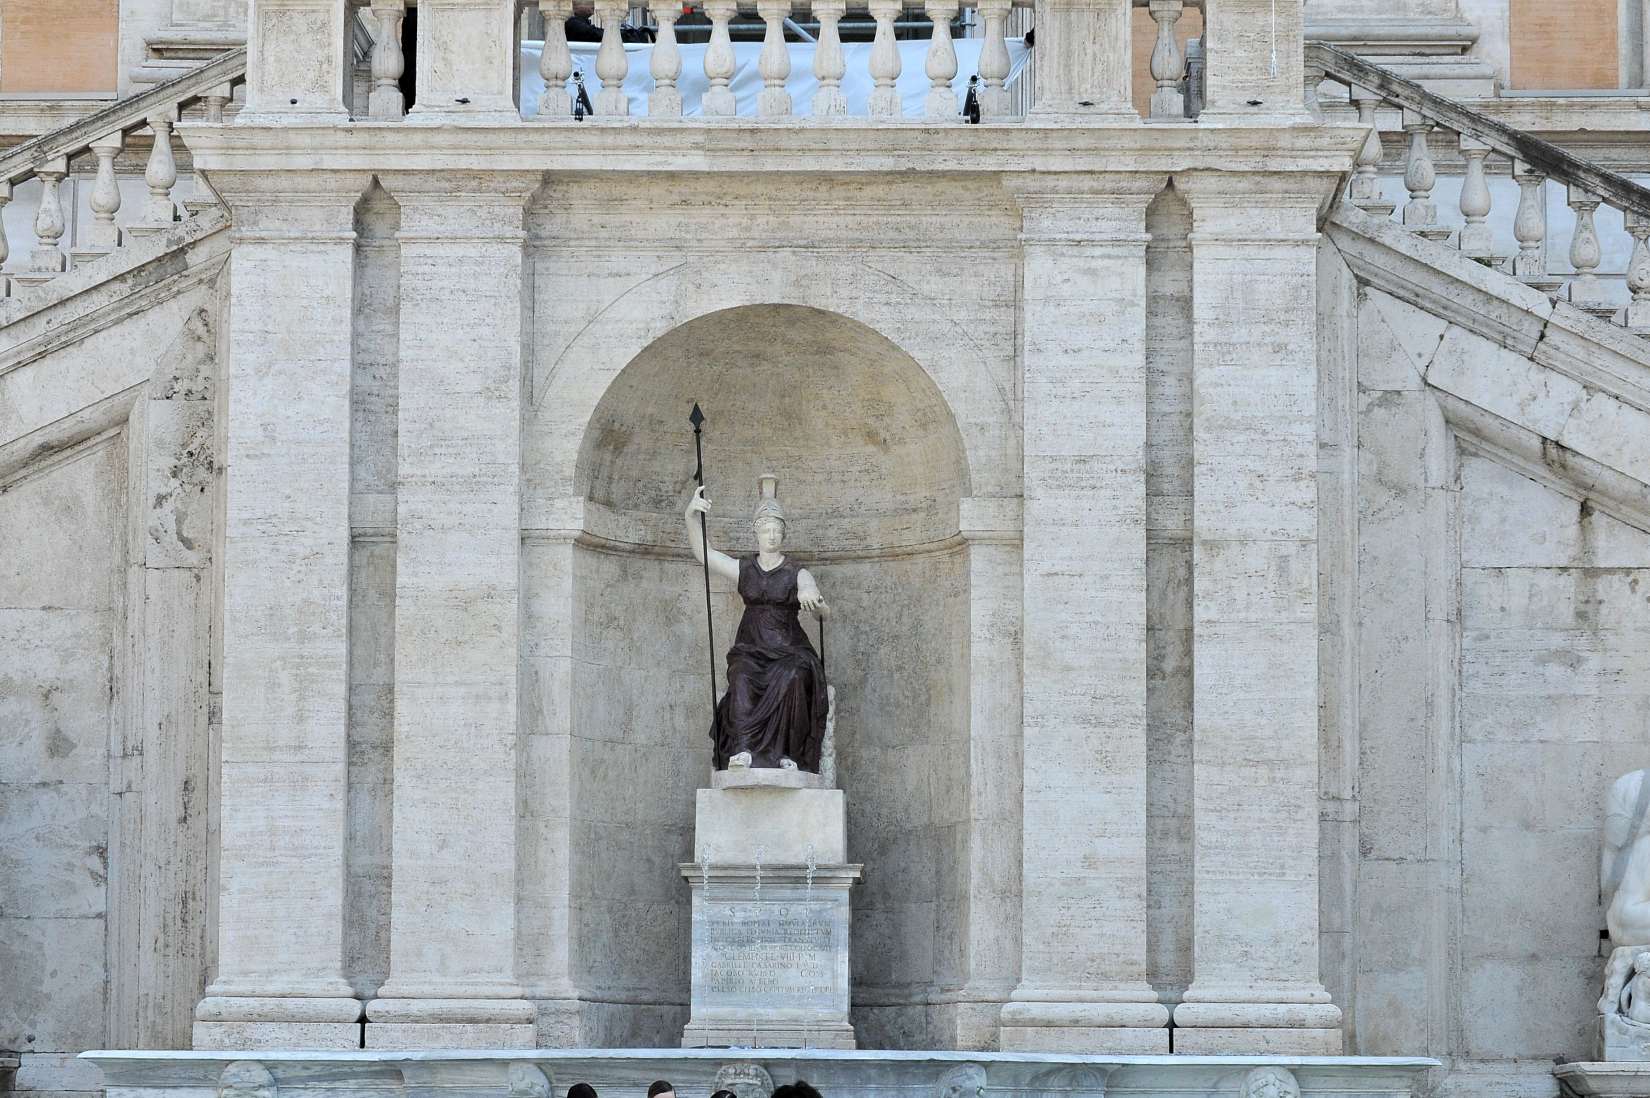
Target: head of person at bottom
661, 1088
581, 1090
798, 1089
724, 1094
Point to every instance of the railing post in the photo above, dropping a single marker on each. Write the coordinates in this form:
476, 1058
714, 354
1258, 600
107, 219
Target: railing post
1420, 212
1477, 240
5, 245
1638, 272
994, 60
885, 62
389, 62
665, 101
216, 100
1168, 63
1365, 192
1585, 254
774, 62
297, 62
466, 60
48, 259
556, 61
941, 63
612, 65
1311, 77
829, 67
103, 235
1083, 60
161, 174
1530, 226
719, 60
1255, 58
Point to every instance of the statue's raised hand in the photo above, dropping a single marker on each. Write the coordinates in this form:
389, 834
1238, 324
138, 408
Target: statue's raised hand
698, 503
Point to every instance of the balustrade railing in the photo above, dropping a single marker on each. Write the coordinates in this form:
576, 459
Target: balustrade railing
102, 136
944, 101
1534, 164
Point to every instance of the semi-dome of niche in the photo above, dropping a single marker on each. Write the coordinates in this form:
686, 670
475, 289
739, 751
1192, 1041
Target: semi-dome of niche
866, 450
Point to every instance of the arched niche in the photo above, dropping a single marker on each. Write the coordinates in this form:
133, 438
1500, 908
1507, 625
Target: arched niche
871, 467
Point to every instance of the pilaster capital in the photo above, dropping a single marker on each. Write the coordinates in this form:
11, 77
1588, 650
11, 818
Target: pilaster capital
462, 205
1245, 207
291, 206
1085, 208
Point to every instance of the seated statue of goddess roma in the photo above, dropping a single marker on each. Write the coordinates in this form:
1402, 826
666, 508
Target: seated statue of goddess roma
773, 714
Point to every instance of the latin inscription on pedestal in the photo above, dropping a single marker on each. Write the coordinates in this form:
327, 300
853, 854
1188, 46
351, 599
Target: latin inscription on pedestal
759, 955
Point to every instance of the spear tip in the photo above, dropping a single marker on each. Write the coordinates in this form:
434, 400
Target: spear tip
696, 417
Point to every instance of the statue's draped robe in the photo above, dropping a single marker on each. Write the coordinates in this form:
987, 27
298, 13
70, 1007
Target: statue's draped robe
776, 703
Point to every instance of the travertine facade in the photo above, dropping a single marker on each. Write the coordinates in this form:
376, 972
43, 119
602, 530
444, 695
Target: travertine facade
1241, 601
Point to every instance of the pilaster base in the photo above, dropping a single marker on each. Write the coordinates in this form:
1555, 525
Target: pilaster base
413, 1035
1256, 1041
1100, 1041
255, 1036
1118, 1028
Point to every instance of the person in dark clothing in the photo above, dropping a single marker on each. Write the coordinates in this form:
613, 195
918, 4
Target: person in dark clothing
580, 27
661, 1089
581, 1090
798, 1089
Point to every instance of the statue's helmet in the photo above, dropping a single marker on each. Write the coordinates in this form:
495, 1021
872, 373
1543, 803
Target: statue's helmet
767, 505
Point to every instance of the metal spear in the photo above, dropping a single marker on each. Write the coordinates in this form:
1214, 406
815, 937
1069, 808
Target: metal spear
697, 418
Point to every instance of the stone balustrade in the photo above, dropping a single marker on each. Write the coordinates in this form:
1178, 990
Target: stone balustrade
97, 140
563, 79
1429, 122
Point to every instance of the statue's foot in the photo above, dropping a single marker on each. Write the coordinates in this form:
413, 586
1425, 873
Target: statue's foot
786, 764
741, 761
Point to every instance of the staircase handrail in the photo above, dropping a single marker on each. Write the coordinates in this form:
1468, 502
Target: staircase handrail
1544, 156
19, 163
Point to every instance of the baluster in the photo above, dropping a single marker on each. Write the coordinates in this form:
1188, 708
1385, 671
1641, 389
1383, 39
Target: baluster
556, 62
612, 65
1638, 272
162, 171
994, 62
719, 61
47, 259
1168, 64
385, 101
1311, 77
774, 62
216, 100
5, 245
1365, 192
1477, 241
1420, 212
885, 62
1585, 254
1530, 227
103, 235
941, 65
829, 67
665, 101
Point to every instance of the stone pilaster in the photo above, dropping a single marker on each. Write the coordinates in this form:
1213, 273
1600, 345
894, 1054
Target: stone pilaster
1254, 61
1083, 71
1083, 979
992, 529
457, 608
1255, 986
297, 60
466, 61
285, 618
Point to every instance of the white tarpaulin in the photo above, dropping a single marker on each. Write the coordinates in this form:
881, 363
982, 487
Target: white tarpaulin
747, 82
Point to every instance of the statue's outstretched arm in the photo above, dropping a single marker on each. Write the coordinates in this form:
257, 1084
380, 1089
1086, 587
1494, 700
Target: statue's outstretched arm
720, 563
807, 593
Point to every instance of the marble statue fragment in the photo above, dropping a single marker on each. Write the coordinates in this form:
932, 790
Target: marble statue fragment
1624, 886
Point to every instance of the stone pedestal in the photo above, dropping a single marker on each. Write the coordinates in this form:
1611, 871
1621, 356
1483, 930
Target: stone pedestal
770, 915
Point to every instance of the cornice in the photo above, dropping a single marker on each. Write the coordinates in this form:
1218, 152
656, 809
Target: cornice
637, 145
